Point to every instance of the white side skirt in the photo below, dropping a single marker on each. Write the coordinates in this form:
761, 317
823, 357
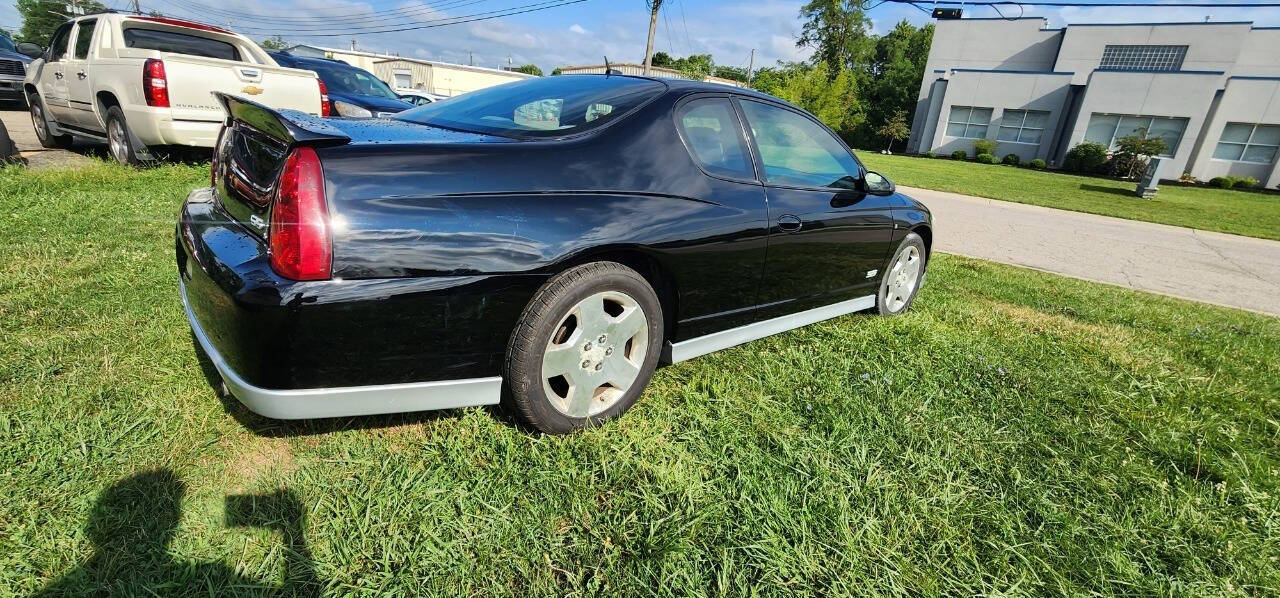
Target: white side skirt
347, 400
716, 341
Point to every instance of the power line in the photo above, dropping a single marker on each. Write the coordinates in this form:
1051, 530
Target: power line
1012, 3
374, 29
198, 8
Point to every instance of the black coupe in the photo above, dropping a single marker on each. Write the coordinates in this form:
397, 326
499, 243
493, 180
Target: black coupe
549, 241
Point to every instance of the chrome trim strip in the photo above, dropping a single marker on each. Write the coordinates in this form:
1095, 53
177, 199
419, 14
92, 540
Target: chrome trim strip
347, 400
677, 352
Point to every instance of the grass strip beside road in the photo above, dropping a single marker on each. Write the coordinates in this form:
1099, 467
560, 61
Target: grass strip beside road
1235, 212
1016, 432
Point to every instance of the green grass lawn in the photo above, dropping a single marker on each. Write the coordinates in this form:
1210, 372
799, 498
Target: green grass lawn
1237, 212
1017, 432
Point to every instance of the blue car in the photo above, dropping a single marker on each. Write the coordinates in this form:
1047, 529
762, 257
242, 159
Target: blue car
13, 67
353, 92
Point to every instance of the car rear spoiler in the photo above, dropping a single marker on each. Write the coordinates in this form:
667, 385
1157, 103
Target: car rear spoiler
289, 126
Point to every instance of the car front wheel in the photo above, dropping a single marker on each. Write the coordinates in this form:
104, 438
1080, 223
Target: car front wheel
585, 348
40, 122
902, 281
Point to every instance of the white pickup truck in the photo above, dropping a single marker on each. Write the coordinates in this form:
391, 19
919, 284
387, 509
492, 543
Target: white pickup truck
138, 81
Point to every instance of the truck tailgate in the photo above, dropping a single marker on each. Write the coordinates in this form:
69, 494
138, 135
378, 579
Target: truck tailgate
192, 79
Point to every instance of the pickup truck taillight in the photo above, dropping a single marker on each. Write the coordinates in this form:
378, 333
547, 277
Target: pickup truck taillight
299, 233
154, 84
325, 109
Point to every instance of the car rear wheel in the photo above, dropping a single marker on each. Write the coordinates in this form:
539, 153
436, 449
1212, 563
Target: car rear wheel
40, 121
119, 141
902, 281
585, 348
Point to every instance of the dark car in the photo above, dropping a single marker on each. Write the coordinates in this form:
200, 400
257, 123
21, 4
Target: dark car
13, 68
352, 91
551, 240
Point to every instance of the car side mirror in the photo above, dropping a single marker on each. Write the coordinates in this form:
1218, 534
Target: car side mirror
30, 49
877, 184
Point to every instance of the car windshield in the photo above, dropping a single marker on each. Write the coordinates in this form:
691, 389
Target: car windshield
7, 45
542, 107
341, 78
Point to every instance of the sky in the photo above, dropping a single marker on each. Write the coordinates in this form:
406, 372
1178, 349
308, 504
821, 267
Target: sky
586, 32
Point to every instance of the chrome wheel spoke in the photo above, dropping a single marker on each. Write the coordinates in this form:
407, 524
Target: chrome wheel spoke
627, 325
592, 358
620, 373
561, 360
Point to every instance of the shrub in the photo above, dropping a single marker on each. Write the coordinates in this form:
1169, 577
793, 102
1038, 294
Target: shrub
984, 146
930, 155
1247, 182
959, 155
1038, 164
1223, 182
1133, 153
1012, 159
1086, 157
986, 158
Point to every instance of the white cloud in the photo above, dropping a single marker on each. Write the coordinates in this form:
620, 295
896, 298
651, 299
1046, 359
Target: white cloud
578, 29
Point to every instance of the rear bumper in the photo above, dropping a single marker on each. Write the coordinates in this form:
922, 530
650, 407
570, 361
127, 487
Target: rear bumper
155, 126
293, 350
348, 400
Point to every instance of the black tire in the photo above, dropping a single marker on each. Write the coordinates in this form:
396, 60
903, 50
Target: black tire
122, 149
40, 115
912, 244
8, 149
525, 387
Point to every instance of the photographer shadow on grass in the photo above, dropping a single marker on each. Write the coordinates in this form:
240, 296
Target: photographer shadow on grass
134, 521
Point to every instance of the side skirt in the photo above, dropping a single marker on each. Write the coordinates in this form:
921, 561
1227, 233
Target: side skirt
347, 400
683, 350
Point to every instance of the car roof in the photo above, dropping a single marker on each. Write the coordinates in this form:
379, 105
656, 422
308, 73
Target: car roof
684, 86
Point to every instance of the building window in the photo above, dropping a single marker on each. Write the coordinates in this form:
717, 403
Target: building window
1022, 126
1107, 128
967, 121
1143, 58
1244, 142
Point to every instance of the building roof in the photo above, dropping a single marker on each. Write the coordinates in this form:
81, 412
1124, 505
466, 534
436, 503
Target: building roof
385, 57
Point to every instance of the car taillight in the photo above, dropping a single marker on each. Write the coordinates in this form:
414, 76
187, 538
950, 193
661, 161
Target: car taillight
299, 234
154, 84
325, 109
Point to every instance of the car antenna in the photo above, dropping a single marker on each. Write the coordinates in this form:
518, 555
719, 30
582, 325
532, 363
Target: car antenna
607, 71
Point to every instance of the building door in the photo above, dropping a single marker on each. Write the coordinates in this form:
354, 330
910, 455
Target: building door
403, 79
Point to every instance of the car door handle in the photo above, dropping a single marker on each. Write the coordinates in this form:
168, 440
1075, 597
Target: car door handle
57, 74
789, 223
81, 75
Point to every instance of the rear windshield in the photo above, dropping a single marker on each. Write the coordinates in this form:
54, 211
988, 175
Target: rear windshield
341, 78
179, 43
539, 108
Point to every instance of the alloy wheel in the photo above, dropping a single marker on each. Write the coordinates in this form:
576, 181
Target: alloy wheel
119, 144
37, 121
595, 354
902, 277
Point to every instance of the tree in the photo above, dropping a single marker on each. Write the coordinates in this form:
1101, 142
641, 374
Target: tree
274, 42
734, 73
663, 59
812, 88
556, 71
839, 34
1133, 152
41, 17
528, 69
896, 67
894, 129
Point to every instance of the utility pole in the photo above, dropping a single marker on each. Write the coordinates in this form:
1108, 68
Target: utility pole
750, 66
471, 58
654, 5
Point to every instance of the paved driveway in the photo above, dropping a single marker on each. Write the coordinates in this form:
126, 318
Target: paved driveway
1212, 267
18, 123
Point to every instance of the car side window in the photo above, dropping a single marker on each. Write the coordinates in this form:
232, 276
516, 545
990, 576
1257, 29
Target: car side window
84, 36
58, 47
798, 151
712, 133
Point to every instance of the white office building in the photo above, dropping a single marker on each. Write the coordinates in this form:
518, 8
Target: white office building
1211, 90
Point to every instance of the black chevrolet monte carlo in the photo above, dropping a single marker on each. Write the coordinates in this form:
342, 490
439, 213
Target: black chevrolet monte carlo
549, 241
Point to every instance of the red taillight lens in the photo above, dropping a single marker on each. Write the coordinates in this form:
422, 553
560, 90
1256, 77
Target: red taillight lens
299, 235
155, 86
324, 99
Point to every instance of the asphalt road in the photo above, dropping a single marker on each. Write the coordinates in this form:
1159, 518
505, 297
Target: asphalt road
1216, 268
18, 122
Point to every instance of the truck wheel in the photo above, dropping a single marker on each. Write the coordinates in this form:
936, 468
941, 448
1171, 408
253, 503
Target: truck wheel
8, 150
40, 120
899, 285
585, 347
119, 140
